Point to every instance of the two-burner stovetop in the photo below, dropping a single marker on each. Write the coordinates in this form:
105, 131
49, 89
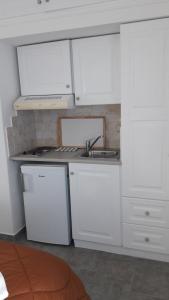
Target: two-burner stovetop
46, 149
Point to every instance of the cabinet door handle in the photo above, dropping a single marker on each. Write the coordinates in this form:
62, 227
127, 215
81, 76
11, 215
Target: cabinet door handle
47, 0
77, 98
147, 240
39, 1
72, 173
147, 213
68, 86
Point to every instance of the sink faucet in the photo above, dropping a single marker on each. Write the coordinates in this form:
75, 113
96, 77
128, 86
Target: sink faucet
90, 145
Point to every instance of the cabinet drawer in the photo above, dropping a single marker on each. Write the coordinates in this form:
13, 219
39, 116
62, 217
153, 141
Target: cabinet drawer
146, 212
146, 238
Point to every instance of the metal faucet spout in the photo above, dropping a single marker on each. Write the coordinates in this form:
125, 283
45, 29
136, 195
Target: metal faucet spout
90, 145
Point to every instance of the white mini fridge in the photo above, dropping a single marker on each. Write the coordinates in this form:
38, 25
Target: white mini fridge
46, 203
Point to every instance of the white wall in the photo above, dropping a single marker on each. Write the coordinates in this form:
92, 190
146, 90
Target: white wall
11, 207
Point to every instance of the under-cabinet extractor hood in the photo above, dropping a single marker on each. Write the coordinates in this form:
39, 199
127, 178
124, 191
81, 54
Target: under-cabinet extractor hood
44, 102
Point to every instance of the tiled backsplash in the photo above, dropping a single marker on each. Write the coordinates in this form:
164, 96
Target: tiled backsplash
22, 135
39, 128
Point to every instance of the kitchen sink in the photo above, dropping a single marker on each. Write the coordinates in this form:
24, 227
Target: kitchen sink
113, 154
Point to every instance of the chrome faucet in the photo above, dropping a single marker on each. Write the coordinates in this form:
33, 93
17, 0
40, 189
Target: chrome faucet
90, 144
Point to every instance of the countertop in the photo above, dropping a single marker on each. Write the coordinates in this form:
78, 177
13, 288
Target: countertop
65, 157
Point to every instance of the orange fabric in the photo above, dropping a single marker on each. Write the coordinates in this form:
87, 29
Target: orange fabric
35, 275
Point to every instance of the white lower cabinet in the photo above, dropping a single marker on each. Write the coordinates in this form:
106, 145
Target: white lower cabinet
145, 212
146, 238
146, 224
95, 203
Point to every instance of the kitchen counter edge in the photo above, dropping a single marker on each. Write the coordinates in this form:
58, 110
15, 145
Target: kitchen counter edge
106, 161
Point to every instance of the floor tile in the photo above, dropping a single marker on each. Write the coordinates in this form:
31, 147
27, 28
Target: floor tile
136, 296
153, 281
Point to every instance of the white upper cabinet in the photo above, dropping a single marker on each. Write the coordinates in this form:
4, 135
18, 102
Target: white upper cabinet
145, 109
45, 68
19, 8
96, 62
62, 4
95, 203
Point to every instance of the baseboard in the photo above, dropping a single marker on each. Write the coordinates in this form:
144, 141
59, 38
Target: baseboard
122, 251
12, 237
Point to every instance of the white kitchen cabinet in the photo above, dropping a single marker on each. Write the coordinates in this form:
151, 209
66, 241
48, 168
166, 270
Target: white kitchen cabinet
21, 8
62, 4
145, 212
146, 238
18, 8
45, 68
145, 109
96, 62
144, 135
95, 203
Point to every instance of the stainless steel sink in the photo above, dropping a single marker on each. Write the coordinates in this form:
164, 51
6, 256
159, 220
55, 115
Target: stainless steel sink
104, 153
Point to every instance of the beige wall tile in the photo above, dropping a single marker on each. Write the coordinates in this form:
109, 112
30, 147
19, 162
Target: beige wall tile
46, 123
39, 128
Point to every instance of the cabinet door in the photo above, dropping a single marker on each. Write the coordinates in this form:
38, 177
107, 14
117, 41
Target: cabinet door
145, 113
17, 8
96, 64
62, 4
45, 68
95, 203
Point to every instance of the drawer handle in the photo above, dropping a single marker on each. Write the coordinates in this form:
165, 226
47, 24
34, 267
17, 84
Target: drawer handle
147, 213
147, 240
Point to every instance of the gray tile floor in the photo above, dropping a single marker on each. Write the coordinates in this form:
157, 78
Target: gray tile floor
113, 277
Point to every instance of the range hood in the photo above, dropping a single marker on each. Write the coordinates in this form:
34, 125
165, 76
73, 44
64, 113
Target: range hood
44, 102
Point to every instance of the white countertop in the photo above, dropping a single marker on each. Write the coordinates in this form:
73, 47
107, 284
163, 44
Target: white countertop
65, 157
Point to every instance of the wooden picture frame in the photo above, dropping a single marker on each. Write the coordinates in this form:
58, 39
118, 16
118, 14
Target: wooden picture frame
59, 128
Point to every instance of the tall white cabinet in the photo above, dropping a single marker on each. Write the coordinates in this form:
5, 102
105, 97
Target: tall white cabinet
145, 128
95, 203
96, 62
145, 109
